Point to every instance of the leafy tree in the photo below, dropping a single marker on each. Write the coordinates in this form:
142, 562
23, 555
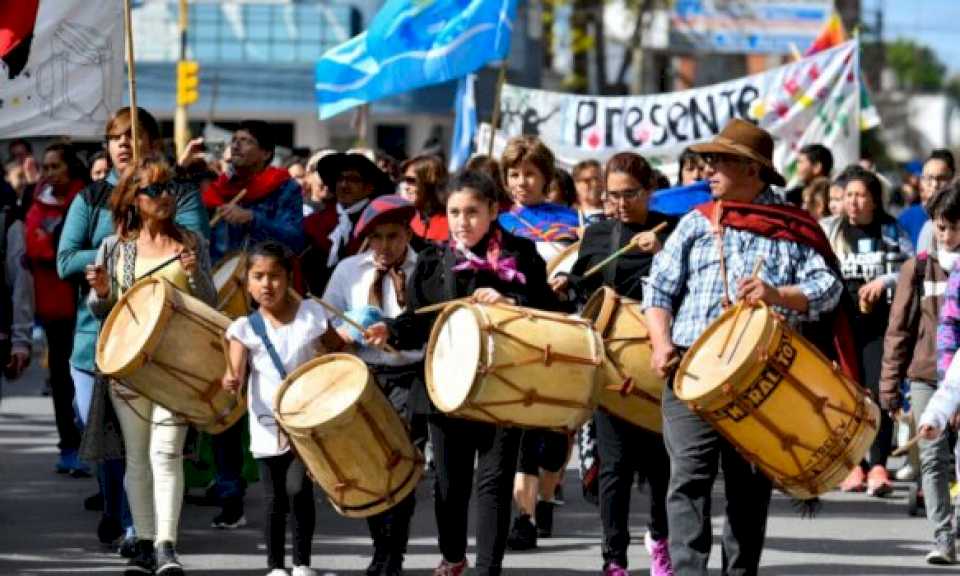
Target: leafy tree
916, 66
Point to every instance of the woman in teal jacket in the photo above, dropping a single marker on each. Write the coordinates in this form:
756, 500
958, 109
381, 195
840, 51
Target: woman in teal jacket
87, 223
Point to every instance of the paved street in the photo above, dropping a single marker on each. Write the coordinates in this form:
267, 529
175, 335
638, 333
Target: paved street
45, 531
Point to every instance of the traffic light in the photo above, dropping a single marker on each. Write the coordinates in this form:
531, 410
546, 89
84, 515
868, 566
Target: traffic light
188, 82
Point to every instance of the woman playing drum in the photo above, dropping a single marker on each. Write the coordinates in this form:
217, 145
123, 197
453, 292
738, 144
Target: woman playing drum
624, 448
482, 261
149, 243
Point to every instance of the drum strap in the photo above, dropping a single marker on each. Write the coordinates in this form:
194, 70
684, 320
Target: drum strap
260, 329
610, 272
449, 278
718, 234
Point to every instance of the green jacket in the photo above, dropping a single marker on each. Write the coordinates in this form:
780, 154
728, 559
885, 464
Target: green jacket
88, 222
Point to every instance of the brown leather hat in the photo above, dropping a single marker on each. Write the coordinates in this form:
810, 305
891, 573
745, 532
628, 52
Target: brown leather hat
741, 138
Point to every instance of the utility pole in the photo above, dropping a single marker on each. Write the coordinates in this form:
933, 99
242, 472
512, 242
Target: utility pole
187, 84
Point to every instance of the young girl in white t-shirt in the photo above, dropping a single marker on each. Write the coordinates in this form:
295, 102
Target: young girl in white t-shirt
295, 330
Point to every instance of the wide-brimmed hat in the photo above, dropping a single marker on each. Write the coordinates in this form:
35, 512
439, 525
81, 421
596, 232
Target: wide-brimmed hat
743, 139
390, 208
330, 166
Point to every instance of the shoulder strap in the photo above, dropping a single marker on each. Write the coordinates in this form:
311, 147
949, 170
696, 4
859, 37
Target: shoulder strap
610, 272
260, 329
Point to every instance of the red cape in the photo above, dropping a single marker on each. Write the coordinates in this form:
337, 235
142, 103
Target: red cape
262, 184
796, 225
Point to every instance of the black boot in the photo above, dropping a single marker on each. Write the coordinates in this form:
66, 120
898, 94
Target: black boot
523, 534
231, 516
144, 562
544, 517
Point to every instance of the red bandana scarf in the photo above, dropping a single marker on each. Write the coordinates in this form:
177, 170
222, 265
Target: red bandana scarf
261, 185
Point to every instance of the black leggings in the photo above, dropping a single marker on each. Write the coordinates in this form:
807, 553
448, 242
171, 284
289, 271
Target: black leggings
286, 487
624, 450
456, 443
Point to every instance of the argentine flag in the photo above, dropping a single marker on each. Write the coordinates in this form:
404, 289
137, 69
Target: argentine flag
410, 44
466, 124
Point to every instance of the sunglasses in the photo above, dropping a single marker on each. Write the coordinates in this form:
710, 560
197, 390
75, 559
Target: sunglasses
410, 180
157, 190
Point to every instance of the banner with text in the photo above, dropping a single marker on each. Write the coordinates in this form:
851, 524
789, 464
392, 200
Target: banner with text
61, 67
813, 100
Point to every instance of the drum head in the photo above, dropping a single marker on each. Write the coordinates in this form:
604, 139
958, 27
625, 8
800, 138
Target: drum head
128, 329
728, 348
226, 269
564, 261
453, 358
321, 390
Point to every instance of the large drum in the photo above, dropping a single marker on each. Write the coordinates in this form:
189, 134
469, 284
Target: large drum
168, 346
349, 436
513, 366
563, 262
778, 400
628, 387
229, 278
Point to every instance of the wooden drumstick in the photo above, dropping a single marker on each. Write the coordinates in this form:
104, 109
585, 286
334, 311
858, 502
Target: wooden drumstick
906, 447
630, 246
736, 314
233, 202
340, 314
440, 305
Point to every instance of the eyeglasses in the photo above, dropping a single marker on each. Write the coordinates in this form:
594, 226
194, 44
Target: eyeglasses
157, 190
411, 180
714, 159
941, 179
623, 195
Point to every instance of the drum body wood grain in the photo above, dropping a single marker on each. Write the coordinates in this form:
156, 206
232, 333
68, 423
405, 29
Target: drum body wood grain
351, 439
774, 396
168, 346
513, 366
229, 278
628, 387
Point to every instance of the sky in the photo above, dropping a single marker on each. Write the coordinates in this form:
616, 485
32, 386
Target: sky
930, 22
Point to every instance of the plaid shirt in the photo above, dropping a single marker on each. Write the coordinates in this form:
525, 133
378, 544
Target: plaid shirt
685, 279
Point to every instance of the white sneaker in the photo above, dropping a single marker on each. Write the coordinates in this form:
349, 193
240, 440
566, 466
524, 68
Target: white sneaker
303, 571
277, 572
906, 473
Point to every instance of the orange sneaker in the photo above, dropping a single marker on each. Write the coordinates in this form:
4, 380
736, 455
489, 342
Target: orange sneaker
855, 481
878, 482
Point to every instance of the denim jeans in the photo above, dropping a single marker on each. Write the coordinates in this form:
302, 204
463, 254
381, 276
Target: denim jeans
228, 458
934, 467
695, 450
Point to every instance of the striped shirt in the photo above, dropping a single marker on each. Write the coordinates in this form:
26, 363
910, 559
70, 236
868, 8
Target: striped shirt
686, 281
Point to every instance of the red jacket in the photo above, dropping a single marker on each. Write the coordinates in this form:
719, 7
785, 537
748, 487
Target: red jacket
434, 229
55, 299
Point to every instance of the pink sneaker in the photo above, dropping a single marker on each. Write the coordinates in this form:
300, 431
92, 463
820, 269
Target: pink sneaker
659, 551
448, 569
614, 569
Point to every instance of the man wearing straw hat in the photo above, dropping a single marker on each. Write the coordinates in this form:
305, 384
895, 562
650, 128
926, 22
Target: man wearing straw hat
704, 266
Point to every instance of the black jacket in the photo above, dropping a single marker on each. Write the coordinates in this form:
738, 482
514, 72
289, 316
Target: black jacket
434, 281
627, 273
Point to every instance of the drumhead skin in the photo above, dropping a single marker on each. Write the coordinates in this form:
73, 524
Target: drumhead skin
132, 327
225, 270
456, 353
728, 349
320, 391
564, 261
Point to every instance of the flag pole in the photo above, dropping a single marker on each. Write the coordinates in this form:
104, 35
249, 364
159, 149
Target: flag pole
495, 114
131, 81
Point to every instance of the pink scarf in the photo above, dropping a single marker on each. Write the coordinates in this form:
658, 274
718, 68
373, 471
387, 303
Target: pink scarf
504, 268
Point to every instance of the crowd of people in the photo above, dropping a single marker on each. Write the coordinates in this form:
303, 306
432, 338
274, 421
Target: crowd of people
381, 239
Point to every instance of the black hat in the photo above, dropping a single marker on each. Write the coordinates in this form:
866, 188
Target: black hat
330, 166
262, 132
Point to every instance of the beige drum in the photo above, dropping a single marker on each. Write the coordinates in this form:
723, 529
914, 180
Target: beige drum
775, 397
229, 278
628, 387
168, 346
564, 261
344, 429
513, 366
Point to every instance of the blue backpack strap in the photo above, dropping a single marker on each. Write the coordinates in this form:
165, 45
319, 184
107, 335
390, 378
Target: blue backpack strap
260, 329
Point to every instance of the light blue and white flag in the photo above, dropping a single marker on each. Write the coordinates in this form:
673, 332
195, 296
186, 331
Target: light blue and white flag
465, 127
410, 44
